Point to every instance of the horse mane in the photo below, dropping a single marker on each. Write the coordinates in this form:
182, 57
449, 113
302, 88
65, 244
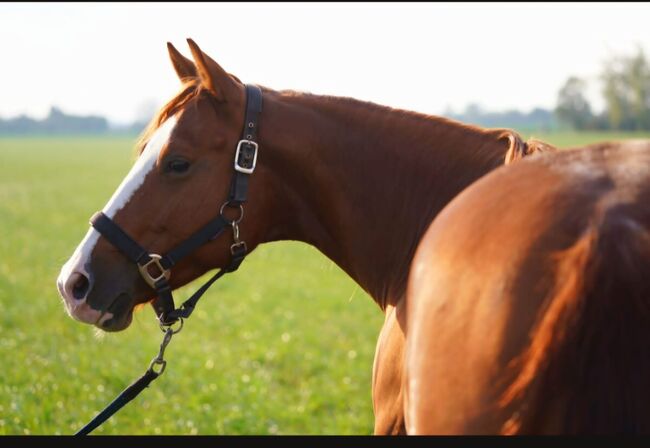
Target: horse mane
519, 148
192, 88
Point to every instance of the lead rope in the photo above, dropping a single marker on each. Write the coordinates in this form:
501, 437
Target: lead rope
136, 387
158, 364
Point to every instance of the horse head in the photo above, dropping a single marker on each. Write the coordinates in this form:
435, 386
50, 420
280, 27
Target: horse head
179, 181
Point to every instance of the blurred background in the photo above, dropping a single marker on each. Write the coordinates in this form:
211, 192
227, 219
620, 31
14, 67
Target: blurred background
103, 68
291, 352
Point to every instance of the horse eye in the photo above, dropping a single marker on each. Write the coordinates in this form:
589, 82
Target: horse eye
178, 166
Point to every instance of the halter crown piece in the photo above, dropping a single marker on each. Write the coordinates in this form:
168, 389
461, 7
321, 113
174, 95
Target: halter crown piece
156, 269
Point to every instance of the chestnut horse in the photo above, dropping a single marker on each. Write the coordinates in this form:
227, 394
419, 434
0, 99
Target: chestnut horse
359, 181
528, 304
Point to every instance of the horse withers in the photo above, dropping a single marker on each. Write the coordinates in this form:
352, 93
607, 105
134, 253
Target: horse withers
359, 181
528, 304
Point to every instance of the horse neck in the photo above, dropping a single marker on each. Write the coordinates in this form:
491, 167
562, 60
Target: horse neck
362, 182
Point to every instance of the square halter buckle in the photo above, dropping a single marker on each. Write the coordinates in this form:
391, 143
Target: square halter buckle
152, 278
246, 156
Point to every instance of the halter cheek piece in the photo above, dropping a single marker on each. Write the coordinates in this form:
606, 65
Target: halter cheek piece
156, 269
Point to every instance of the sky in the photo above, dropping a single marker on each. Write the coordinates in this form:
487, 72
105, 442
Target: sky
111, 59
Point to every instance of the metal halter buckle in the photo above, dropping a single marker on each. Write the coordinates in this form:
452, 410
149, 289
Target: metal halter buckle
238, 166
150, 279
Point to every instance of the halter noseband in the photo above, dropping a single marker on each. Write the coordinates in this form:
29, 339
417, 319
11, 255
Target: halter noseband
154, 268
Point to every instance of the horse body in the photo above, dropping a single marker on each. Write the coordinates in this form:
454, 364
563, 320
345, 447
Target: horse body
527, 303
360, 182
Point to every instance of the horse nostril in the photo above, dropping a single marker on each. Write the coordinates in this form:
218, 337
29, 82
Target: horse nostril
80, 285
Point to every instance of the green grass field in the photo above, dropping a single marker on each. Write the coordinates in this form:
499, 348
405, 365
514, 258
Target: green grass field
283, 346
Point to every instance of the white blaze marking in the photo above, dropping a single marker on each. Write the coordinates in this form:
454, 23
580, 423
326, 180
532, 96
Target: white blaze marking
121, 197
140, 169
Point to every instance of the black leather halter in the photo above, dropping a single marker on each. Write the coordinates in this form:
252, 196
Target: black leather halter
155, 269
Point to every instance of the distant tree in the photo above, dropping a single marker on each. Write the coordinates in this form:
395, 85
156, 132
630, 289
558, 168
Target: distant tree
616, 106
638, 80
58, 122
473, 111
449, 111
572, 105
626, 90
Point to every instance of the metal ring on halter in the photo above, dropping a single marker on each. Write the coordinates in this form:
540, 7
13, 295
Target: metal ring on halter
165, 327
241, 213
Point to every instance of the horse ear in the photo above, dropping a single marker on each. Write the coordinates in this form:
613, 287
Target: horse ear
215, 78
183, 66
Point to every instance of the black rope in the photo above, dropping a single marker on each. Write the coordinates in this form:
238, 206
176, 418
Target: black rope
127, 395
183, 312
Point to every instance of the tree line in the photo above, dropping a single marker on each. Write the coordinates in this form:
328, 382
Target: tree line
57, 122
625, 92
538, 119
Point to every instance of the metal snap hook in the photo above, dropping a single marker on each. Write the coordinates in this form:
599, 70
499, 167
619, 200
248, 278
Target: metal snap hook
159, 359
